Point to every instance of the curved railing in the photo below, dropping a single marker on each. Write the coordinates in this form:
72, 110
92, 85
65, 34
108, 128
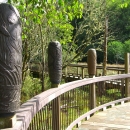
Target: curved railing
36, 113
91, 112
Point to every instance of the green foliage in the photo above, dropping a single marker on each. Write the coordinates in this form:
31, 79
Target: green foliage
122, 3
87, 30
115, 52
44, 21
119, 23
127, 46
31, 87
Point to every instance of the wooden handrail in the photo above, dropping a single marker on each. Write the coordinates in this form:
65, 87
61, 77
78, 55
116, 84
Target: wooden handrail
28, 110
86, 66
80, 65
98, 67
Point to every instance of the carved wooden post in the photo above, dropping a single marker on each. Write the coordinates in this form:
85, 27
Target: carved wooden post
10, 64
55, 74
91, 59
127, 70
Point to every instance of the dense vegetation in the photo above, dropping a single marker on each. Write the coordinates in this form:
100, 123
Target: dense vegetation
78, 25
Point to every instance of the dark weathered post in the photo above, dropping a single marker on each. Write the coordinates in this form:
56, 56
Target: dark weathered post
127, 70
91, 59
10, 64
55, 74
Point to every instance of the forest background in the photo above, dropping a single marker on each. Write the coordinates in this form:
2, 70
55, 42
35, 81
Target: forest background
78, 25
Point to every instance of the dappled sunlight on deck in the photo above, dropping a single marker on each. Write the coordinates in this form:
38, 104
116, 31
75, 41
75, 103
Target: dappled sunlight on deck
115, 118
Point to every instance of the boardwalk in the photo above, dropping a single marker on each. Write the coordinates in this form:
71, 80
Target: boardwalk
115, 118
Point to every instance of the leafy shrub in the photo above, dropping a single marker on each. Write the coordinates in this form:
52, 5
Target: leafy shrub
127, 46
115, 52
30, 88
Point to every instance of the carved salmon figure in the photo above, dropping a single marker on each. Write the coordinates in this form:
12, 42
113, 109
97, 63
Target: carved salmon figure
10, 59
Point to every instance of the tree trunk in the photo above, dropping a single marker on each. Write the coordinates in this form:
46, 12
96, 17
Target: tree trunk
105, 47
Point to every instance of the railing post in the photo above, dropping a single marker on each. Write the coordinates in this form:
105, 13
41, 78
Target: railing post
66, 72
122, 88
55, 74
77, 70
91, 59
10, 64
82, 72
127, 70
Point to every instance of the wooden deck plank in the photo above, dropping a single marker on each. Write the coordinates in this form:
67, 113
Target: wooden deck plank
115, 118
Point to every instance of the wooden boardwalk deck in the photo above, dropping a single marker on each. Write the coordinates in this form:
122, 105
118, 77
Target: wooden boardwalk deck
115, 118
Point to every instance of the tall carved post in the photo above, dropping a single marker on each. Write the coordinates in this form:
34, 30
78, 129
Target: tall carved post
55, 74
10, 64
91, 59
